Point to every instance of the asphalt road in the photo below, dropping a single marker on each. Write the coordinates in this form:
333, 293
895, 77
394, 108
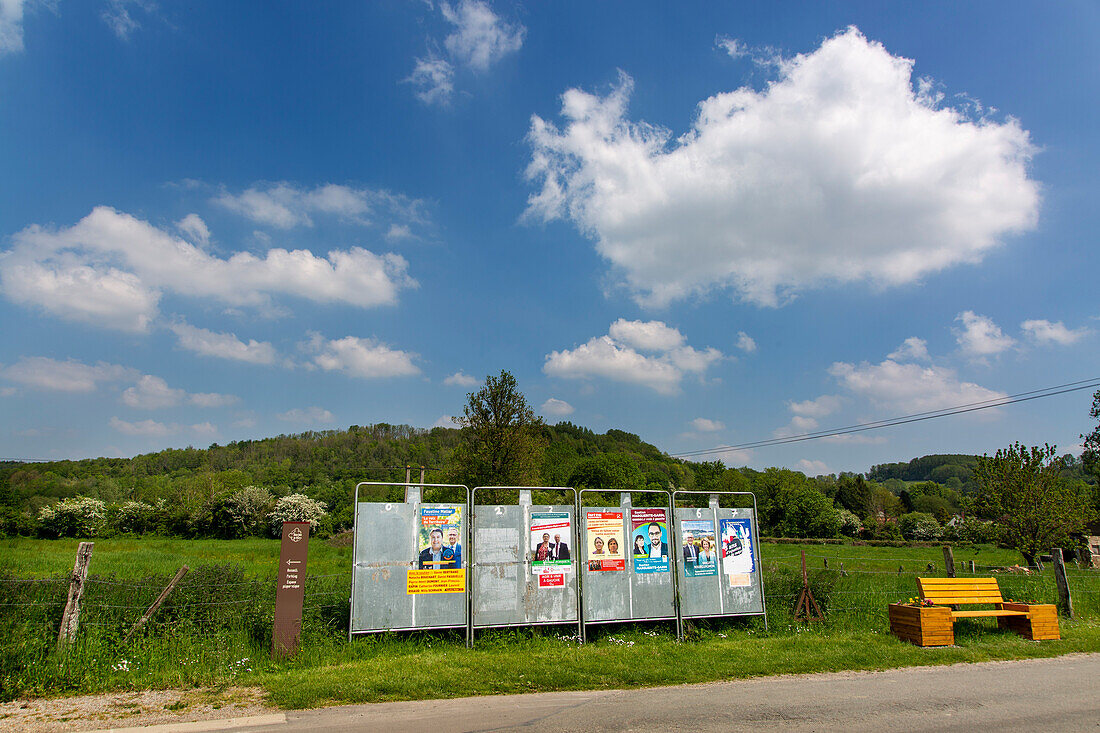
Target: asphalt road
1059, 694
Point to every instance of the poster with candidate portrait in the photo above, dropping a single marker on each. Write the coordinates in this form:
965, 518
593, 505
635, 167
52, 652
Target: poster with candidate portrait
604, 541
551, 533
439, 557
737, 560
649, 540
699, 551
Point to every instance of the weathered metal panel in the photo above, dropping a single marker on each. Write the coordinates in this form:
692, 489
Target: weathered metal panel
700, 580
507, 589
740, 595
386, 548
643, 589
604, 593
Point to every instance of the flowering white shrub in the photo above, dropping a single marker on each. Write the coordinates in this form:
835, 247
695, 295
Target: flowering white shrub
295, 508
247, 507
850, 526
77, 516
134, 517
920, 526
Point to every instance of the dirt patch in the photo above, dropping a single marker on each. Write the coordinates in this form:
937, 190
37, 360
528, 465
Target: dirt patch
125, 709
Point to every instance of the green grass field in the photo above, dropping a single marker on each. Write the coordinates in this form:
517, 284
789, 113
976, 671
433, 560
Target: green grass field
215, 629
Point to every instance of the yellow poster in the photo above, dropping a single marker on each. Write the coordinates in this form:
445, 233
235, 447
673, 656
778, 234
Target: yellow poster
435, 581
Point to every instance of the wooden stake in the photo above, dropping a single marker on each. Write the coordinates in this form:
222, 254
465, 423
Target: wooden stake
1063, 583
156, 604
948, 561
806, 598
70, 620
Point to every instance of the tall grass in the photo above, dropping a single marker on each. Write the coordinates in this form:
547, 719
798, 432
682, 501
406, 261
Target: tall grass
215, 628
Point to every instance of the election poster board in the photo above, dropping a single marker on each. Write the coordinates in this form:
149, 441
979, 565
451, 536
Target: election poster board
737, 555
550, 535
700, 551
649, 540
439, 566
604, 541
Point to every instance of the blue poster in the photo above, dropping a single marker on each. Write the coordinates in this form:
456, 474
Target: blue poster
736, 550
650, 540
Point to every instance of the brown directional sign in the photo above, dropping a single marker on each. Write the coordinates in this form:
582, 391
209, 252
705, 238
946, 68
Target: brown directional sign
290, 594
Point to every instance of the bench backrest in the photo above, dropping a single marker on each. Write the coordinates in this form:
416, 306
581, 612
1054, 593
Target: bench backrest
956, 591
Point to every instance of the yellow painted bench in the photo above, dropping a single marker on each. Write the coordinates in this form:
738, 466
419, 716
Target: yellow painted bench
1034, 621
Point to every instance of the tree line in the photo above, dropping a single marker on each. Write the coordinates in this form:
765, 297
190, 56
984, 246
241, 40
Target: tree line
231, 490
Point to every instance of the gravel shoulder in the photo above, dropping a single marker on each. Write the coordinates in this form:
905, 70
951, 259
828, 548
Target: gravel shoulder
129, 709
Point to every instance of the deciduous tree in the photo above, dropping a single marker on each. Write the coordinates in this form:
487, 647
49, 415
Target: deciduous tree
501, 441
1020, 489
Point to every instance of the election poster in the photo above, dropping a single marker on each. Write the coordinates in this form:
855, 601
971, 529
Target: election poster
604, 541
737, 560
649, 539
439, 561
699, 550
550, 537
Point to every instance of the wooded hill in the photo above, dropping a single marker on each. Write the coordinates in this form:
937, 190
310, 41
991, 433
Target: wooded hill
326, 465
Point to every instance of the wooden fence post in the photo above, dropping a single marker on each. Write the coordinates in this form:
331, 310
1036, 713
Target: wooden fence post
972, 568
70, 620
156, 604
1063, 583
948, 561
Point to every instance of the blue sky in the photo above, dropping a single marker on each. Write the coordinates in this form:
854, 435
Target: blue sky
704, 223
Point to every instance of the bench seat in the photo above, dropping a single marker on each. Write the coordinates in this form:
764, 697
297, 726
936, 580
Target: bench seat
933, 625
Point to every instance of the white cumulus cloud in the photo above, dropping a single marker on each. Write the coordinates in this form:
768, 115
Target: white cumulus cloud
11, 26
110, 269
460, 379
144, 427
909, 388
480, 37
365, 358
557, 408
746, 342
222, 345
813, 468
822, 406
194, 227
310, 415
705, 425
40, 372
912, 349
980, 337
1045, 332
434, 78
616, 357
212, 399
284, 205
151, 393
837, 171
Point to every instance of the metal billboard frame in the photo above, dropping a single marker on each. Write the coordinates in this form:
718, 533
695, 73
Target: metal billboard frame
673, 565
466, 543
473, 556
757, 543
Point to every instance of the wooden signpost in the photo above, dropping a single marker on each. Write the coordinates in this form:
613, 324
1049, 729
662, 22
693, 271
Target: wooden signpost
290, 593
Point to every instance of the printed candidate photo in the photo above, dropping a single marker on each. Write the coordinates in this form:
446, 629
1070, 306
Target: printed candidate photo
650, 540
551, 533
440, 538
699, 550
604, 541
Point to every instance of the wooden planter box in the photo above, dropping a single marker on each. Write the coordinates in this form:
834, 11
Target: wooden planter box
922, 625
1041, 623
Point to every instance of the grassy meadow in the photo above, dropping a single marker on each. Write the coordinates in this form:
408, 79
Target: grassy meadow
215, 629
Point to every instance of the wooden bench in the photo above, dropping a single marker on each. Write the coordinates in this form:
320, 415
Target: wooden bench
1033, 621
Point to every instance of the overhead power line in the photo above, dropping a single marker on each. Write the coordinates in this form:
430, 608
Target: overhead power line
1034, 394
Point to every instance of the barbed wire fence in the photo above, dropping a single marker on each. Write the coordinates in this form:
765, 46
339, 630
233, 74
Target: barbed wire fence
850, 589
